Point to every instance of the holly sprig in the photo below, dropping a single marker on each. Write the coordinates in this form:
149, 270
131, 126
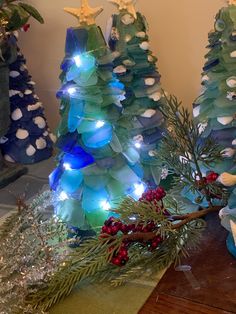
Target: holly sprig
147, 235
16, 14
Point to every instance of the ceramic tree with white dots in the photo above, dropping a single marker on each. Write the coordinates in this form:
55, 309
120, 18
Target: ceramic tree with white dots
29, 139
215, 109
135, 66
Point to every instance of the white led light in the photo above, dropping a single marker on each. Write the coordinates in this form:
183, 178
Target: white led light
71, 90
100, 124
105, 205
63, 196
78, 61
67, 166
138, 145
139, 189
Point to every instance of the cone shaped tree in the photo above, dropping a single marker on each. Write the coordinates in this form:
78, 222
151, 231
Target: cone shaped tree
28, 138
95, 171
136, 68
215, 109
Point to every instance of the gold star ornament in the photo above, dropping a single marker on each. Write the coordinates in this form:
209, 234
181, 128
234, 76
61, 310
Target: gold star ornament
85, 14
126, 5
232, 2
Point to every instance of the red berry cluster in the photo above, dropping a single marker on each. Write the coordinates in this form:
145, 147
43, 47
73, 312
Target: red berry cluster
113, 226
211, 177
121, 257
153, 195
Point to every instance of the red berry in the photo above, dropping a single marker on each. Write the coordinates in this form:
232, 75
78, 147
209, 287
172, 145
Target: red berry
154, 245
26, 27
123, 253
124, 229
116, 261
114, 230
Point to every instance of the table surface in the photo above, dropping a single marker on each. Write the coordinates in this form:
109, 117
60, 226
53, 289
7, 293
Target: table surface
210, 287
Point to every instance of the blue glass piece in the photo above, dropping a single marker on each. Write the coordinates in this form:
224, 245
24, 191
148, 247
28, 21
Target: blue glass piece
211, 64
93, 200
231, 245
79, 160
99, 138
152, 136
67, 142
54, 178
75, 114
138, 169
76, 40
71, 180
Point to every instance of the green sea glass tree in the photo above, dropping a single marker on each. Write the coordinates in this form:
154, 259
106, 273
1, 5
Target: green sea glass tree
135, 66
214, 110
96, 170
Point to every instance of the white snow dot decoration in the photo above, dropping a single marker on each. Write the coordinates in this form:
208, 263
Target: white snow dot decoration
34, 107
28, 92
149, 113
16, 114
45, 133
9, 159
225, 120
138, 138
53, 137
41, 143
141, 34
14, 74
128, 62
127, 19
144, 45
231, 82
40, 122
205, 78
150, 58
150, 81
30, 151
155, 96
202, 127
127, 38
152, 153
23, 67
228, 152
22, 134
234, 142
196, 111
233, 54
31, 83
13, 92
115, 55
120, 69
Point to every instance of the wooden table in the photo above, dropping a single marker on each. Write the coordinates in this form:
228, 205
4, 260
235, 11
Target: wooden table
210, 286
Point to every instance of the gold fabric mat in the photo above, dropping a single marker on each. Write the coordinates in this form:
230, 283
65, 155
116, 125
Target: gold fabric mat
104, 299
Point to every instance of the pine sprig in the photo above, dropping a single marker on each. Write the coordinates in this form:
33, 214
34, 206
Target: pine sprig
185, 152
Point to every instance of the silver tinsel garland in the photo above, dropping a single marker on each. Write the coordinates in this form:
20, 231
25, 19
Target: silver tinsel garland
33, 245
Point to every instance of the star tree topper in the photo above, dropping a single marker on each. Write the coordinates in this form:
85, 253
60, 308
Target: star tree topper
232, 2
85, 15
127, 5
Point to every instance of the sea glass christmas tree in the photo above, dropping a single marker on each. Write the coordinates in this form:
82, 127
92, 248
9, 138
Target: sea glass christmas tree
95, 169
215, 109
135, 67
28, 139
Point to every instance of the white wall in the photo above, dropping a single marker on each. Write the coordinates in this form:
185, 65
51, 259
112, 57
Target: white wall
178, 32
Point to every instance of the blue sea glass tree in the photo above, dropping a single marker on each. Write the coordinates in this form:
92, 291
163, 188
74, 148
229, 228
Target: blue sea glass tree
96, 168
